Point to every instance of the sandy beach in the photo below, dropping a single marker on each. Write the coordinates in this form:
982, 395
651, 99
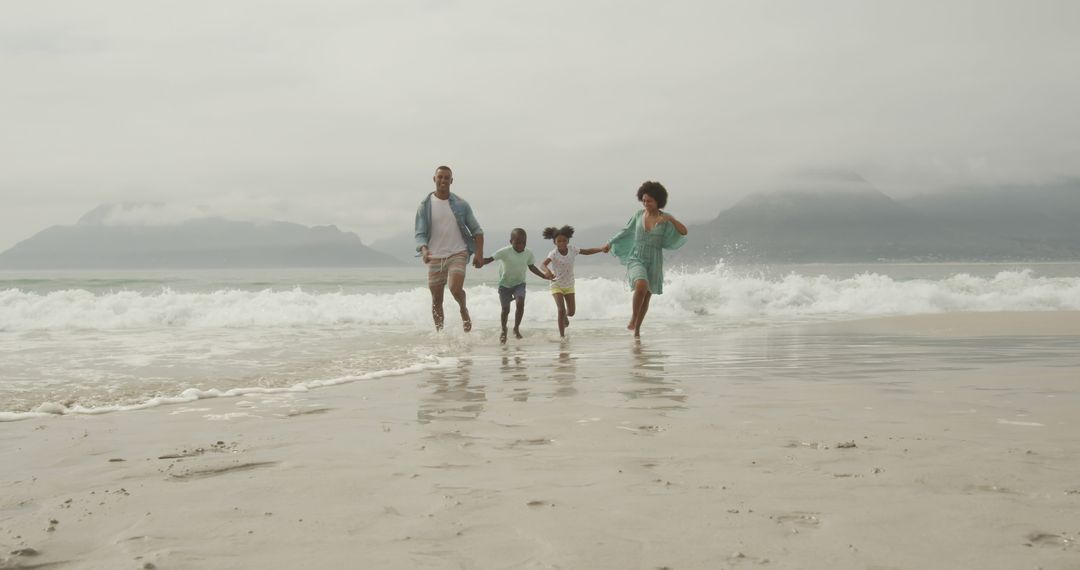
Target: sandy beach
944, 441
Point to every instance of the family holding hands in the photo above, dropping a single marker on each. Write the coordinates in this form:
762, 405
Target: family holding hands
447, 234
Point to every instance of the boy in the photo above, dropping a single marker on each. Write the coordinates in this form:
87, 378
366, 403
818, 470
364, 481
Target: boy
513, 260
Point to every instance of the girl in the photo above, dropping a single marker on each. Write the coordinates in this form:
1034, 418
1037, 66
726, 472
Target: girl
561, 260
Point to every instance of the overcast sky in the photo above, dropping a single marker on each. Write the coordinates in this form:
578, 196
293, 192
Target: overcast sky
337, 112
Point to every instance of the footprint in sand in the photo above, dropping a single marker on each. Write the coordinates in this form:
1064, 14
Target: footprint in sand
216, 471
803, 520
528, 443
1050, 540
990, 489
293, 413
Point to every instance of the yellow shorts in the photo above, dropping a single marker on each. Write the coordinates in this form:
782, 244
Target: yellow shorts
562, 290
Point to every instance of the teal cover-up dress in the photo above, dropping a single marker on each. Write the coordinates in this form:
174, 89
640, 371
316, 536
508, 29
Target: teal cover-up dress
642, 251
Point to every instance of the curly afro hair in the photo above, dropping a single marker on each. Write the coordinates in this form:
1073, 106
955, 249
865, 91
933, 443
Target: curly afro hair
654, 189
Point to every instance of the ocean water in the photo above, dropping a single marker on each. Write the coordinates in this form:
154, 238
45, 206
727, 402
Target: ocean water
95, 342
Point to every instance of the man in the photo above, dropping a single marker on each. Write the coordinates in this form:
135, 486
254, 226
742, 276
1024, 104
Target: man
447, 233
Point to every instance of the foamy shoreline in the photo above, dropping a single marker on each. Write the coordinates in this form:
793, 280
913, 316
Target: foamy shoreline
192, 395
938, 441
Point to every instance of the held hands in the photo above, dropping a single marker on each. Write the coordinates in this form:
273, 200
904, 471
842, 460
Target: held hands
478, 260
606, 248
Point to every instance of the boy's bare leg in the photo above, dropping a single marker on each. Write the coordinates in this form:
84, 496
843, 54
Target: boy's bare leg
437, 305
457, 289
503, 316
641, 289
560, 305
518, 314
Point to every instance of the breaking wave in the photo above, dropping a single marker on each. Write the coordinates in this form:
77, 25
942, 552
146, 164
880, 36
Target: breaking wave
716, 292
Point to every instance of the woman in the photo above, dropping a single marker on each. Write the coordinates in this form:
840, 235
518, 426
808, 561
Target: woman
639, 246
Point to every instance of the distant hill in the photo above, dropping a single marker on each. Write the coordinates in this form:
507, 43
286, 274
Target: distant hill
402, 246
841, 217
1043, 221
210, 242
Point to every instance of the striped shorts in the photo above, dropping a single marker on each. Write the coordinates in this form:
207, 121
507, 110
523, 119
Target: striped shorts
439, 269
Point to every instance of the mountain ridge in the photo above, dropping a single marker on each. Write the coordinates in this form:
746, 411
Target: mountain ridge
209, 242
980, 224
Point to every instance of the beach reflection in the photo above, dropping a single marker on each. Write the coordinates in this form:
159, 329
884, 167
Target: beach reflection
650, 382
514, 373
564, 374
452, 396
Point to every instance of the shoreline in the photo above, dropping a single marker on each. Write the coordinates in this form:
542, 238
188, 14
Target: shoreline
973, 324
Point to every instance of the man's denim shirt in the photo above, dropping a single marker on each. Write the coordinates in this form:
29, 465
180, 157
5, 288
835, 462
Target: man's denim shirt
462, 213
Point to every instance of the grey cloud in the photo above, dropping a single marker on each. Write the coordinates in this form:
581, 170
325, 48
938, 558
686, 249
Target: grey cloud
336, 112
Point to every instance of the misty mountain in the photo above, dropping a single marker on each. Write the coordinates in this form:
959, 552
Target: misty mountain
99, 240
842, 217
402, 246
1044, 220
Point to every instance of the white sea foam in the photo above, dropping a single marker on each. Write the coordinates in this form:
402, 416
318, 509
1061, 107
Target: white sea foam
193, 394
717, 293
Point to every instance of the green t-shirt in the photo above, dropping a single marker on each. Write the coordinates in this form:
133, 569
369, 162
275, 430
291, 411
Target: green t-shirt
513, 265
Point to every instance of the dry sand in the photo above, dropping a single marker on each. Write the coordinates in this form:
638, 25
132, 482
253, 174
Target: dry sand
930, 442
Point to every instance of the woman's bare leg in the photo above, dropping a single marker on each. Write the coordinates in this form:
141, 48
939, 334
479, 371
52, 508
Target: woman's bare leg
641, 290
641, 313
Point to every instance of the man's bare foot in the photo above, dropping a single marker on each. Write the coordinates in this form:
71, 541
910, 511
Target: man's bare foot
517, 334
502, 337
466, 322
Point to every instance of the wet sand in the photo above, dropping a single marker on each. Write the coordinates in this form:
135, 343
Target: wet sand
944, 441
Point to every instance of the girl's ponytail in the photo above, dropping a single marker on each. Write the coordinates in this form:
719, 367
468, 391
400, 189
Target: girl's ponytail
552, 232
